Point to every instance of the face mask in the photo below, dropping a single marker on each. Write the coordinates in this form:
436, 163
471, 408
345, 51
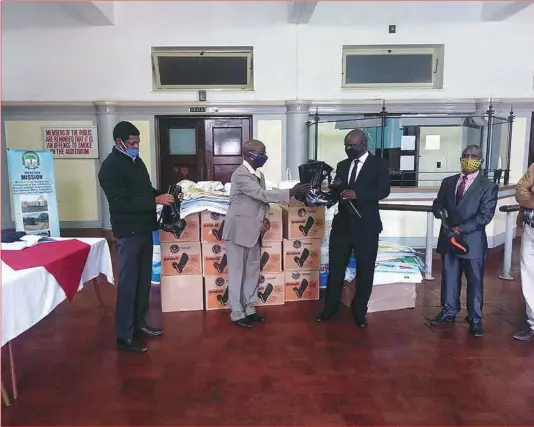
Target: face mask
258, 159
132, 152
353, 152
470, 165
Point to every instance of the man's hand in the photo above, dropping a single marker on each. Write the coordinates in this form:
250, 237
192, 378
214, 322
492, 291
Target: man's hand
348, 195
300, 189
265, 225
165, 199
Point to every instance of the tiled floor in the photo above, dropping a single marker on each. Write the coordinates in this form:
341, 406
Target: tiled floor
289, 371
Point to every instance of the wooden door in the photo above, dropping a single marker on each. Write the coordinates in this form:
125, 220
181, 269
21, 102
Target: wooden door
224, 139
181, 151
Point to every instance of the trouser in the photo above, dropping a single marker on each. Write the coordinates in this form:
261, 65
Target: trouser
133, 292
527, 271
243, 277
341, 246
451, 285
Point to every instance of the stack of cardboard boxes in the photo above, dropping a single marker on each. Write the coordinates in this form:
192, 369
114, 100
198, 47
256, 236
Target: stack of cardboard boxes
271, 286
181, 268
289, 261
214, 261
303, 230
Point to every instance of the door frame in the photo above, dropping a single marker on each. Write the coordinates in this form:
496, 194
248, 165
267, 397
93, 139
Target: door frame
158, 117
531, 143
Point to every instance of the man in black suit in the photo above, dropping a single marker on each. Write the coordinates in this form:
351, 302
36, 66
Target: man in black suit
469, 199
365, 181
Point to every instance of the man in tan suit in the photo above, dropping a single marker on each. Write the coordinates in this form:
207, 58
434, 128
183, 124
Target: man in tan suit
249, 203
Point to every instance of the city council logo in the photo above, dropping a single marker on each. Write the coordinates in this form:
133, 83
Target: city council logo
30, 160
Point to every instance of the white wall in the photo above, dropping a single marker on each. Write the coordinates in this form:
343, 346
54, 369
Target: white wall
448, 154
290, 62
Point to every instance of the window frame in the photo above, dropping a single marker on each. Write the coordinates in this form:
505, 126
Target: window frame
437, 52
197, 52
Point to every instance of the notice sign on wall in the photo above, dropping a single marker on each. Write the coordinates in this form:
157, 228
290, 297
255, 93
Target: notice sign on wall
71, 142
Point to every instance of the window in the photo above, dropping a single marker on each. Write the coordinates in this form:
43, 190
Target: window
416, 66
182, 142
202, 68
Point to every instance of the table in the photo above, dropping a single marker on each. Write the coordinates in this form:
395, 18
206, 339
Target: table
29, 295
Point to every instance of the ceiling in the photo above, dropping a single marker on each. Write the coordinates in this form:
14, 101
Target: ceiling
24, 15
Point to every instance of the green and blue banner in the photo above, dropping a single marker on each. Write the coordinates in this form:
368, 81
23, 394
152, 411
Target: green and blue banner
33, 191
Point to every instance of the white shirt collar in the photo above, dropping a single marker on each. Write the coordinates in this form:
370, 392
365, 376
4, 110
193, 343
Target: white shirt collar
363, 157
251, 169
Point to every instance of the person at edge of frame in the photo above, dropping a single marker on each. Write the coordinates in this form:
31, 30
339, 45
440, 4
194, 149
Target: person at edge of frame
524, 195
470, 199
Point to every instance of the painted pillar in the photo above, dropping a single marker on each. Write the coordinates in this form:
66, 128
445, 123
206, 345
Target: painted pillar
298, 113
106, 119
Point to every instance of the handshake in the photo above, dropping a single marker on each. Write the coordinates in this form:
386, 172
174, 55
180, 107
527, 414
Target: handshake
300, 190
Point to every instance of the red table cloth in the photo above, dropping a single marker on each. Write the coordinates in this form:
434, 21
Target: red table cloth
65, 260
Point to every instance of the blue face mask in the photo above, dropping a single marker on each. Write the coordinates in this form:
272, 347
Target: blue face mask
258, 159
132, 152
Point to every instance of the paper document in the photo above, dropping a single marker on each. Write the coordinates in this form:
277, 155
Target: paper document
407, 163
408, 142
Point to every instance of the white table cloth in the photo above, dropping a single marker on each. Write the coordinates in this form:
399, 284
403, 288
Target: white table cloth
29, 295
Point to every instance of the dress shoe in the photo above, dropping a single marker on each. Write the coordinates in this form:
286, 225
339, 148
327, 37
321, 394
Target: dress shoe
244, 323
475, 329
150, 331
323, 317
527, 335
131, 345
255, 318
362, 323
442, 318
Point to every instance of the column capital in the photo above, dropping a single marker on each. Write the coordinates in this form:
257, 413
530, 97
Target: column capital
106, 107
297, 106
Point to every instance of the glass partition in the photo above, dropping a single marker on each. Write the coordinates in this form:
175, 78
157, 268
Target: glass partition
421, 149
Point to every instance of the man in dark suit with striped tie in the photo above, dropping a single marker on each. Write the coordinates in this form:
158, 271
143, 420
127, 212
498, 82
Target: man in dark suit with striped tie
357, 225
469, 200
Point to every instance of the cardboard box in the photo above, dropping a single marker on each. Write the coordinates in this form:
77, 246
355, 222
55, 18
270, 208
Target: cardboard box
212, 226
214, 261
271, 257
275, 225
191, 232
302, 254
303, 222
394, 296
180, 258
181, 293
271, 289
301, 285
216, 292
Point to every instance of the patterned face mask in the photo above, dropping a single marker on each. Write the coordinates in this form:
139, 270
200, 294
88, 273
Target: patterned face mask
470, 165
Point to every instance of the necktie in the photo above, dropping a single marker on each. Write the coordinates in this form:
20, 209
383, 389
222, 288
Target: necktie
461, 189
353, 173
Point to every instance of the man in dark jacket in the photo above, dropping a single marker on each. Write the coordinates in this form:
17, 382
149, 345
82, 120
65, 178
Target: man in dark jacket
132, 207
469, 200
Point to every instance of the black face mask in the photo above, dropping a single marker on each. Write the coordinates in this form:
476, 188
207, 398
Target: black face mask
354, 152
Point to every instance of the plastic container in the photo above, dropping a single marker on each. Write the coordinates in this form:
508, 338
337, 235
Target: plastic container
350, 271
323, 276
156, 259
